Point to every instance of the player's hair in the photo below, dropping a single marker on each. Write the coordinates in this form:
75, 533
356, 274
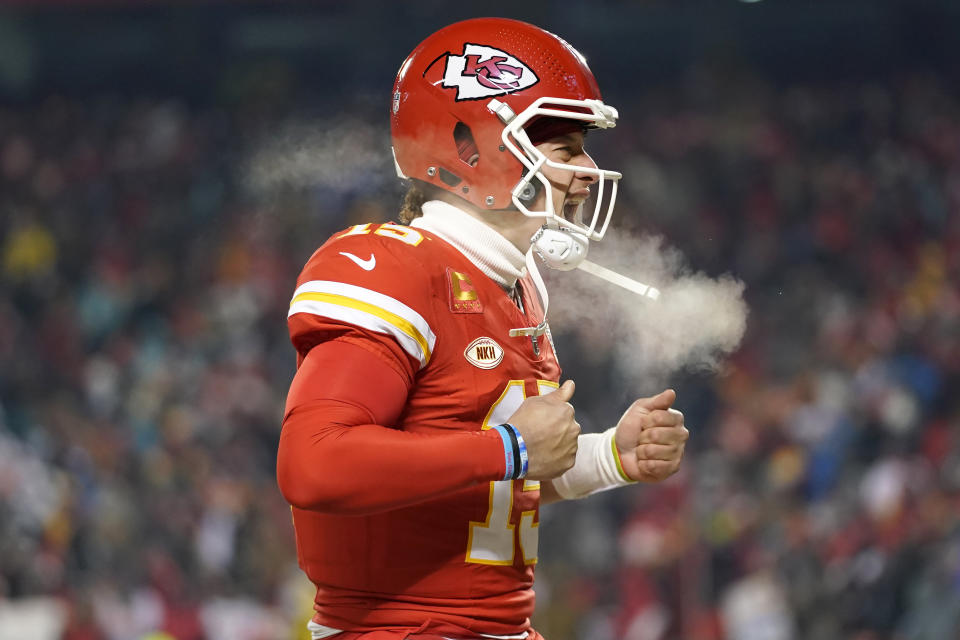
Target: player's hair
413, 200
417, 193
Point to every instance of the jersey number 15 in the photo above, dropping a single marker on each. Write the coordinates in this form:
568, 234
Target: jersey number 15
494, 541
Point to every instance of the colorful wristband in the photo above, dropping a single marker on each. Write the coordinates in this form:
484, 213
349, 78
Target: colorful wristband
505, 435
524, 463
514, 451
618, 461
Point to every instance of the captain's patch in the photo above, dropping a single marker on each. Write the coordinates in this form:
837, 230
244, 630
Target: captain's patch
463, 295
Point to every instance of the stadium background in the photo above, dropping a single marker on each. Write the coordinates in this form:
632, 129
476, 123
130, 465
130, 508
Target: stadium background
166, 168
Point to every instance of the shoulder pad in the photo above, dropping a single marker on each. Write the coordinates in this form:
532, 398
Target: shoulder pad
369, 277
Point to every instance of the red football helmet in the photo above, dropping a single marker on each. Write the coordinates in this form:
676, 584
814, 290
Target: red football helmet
462, 103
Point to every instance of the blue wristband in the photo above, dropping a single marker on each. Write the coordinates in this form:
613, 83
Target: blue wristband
522, 446
507, 451
524, 460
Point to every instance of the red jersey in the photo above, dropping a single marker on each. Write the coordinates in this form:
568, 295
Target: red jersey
465, 559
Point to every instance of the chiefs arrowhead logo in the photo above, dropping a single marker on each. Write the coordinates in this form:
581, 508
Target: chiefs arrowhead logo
483, 71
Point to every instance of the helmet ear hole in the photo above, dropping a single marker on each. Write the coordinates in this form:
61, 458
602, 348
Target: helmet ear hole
466, 145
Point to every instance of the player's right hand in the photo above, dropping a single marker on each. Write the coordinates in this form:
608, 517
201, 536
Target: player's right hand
550, 432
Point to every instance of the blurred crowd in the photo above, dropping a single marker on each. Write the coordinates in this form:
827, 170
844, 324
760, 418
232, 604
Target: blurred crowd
148, 249
822, 490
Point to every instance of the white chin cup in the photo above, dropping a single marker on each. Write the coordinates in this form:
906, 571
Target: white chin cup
561, 249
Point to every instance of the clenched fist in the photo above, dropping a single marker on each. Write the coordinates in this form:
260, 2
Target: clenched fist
550, 431
651, 438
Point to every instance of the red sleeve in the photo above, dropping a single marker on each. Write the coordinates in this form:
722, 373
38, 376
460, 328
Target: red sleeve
336, 456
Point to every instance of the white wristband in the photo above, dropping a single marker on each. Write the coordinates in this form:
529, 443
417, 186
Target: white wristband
596, 469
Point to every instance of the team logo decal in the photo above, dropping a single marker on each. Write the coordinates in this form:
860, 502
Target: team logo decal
484, 353
483, 71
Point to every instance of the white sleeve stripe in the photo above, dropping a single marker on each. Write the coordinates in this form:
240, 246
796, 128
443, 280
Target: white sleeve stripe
364, 320
374, 298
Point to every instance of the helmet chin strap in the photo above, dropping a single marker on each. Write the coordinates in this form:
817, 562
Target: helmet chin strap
562, 249
541, 328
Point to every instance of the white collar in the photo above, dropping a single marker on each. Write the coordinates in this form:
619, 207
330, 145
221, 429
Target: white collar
483, 245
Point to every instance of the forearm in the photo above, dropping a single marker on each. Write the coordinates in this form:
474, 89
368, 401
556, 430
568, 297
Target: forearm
590, 474
597, 468
337, 456
330, 461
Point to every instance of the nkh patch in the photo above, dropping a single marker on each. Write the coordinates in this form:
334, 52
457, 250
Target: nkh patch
482, 72
463, 295
484, 353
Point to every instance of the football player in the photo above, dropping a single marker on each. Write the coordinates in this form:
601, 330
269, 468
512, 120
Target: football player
426, 422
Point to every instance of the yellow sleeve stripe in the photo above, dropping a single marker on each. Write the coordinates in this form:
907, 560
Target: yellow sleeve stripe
395, 321
369, 310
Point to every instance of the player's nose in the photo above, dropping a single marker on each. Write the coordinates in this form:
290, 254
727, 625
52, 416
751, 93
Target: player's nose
586, 162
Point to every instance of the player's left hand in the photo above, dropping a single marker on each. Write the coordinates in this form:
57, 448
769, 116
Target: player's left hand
651, 438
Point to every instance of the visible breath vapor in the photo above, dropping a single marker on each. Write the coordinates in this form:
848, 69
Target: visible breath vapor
348, 156
696, 322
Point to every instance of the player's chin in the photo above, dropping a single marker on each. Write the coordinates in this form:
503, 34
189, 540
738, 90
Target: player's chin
570, 208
